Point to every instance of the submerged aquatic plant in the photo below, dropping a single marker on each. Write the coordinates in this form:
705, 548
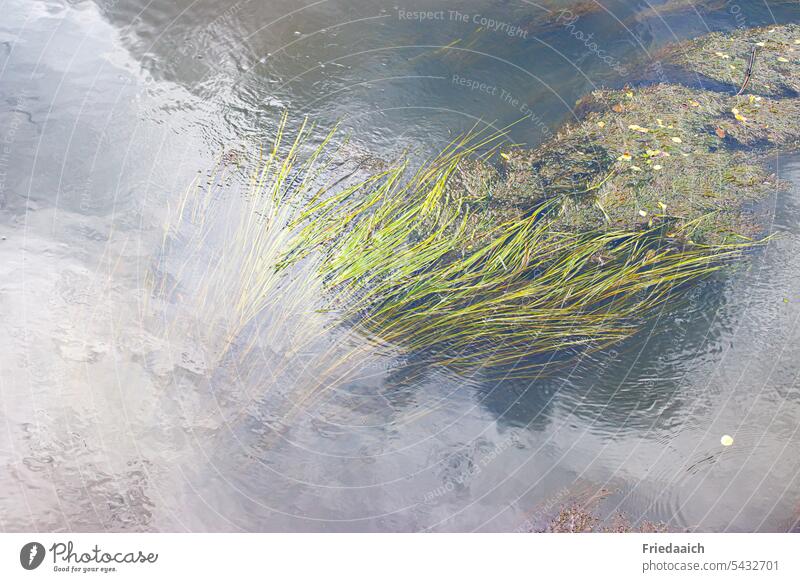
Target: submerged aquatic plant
410, 259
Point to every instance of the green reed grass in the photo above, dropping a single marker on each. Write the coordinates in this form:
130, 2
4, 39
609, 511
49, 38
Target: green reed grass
404, 257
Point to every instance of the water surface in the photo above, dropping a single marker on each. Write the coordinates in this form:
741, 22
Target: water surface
108, 110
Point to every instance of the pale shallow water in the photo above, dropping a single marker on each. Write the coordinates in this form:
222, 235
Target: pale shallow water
108, 110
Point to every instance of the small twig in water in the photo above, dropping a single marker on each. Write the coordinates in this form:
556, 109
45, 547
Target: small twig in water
749, 72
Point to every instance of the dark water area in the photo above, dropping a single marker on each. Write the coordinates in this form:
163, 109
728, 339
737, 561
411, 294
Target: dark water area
108, 111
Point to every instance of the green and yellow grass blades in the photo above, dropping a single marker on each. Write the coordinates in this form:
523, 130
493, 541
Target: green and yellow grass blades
400, 257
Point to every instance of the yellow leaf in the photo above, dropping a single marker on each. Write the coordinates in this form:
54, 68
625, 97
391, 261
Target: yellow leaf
505, 155
694, 103
626, 157
677, 140
783, 60
601, 124
642, 213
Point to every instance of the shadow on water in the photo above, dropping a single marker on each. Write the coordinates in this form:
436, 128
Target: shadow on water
636, 385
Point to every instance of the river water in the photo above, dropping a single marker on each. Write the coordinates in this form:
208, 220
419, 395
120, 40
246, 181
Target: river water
108, 111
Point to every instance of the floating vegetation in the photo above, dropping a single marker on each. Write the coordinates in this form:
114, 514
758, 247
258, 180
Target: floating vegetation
672, 149
726, 58
578, 518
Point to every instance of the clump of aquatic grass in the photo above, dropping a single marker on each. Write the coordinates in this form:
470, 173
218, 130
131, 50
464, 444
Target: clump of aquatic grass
223, 302
224, 249
415, 264
401, 257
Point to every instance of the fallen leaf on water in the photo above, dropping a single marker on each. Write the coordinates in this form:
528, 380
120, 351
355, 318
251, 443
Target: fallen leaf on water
738, 116
505, 155
677, 140
783, 60
720, 133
